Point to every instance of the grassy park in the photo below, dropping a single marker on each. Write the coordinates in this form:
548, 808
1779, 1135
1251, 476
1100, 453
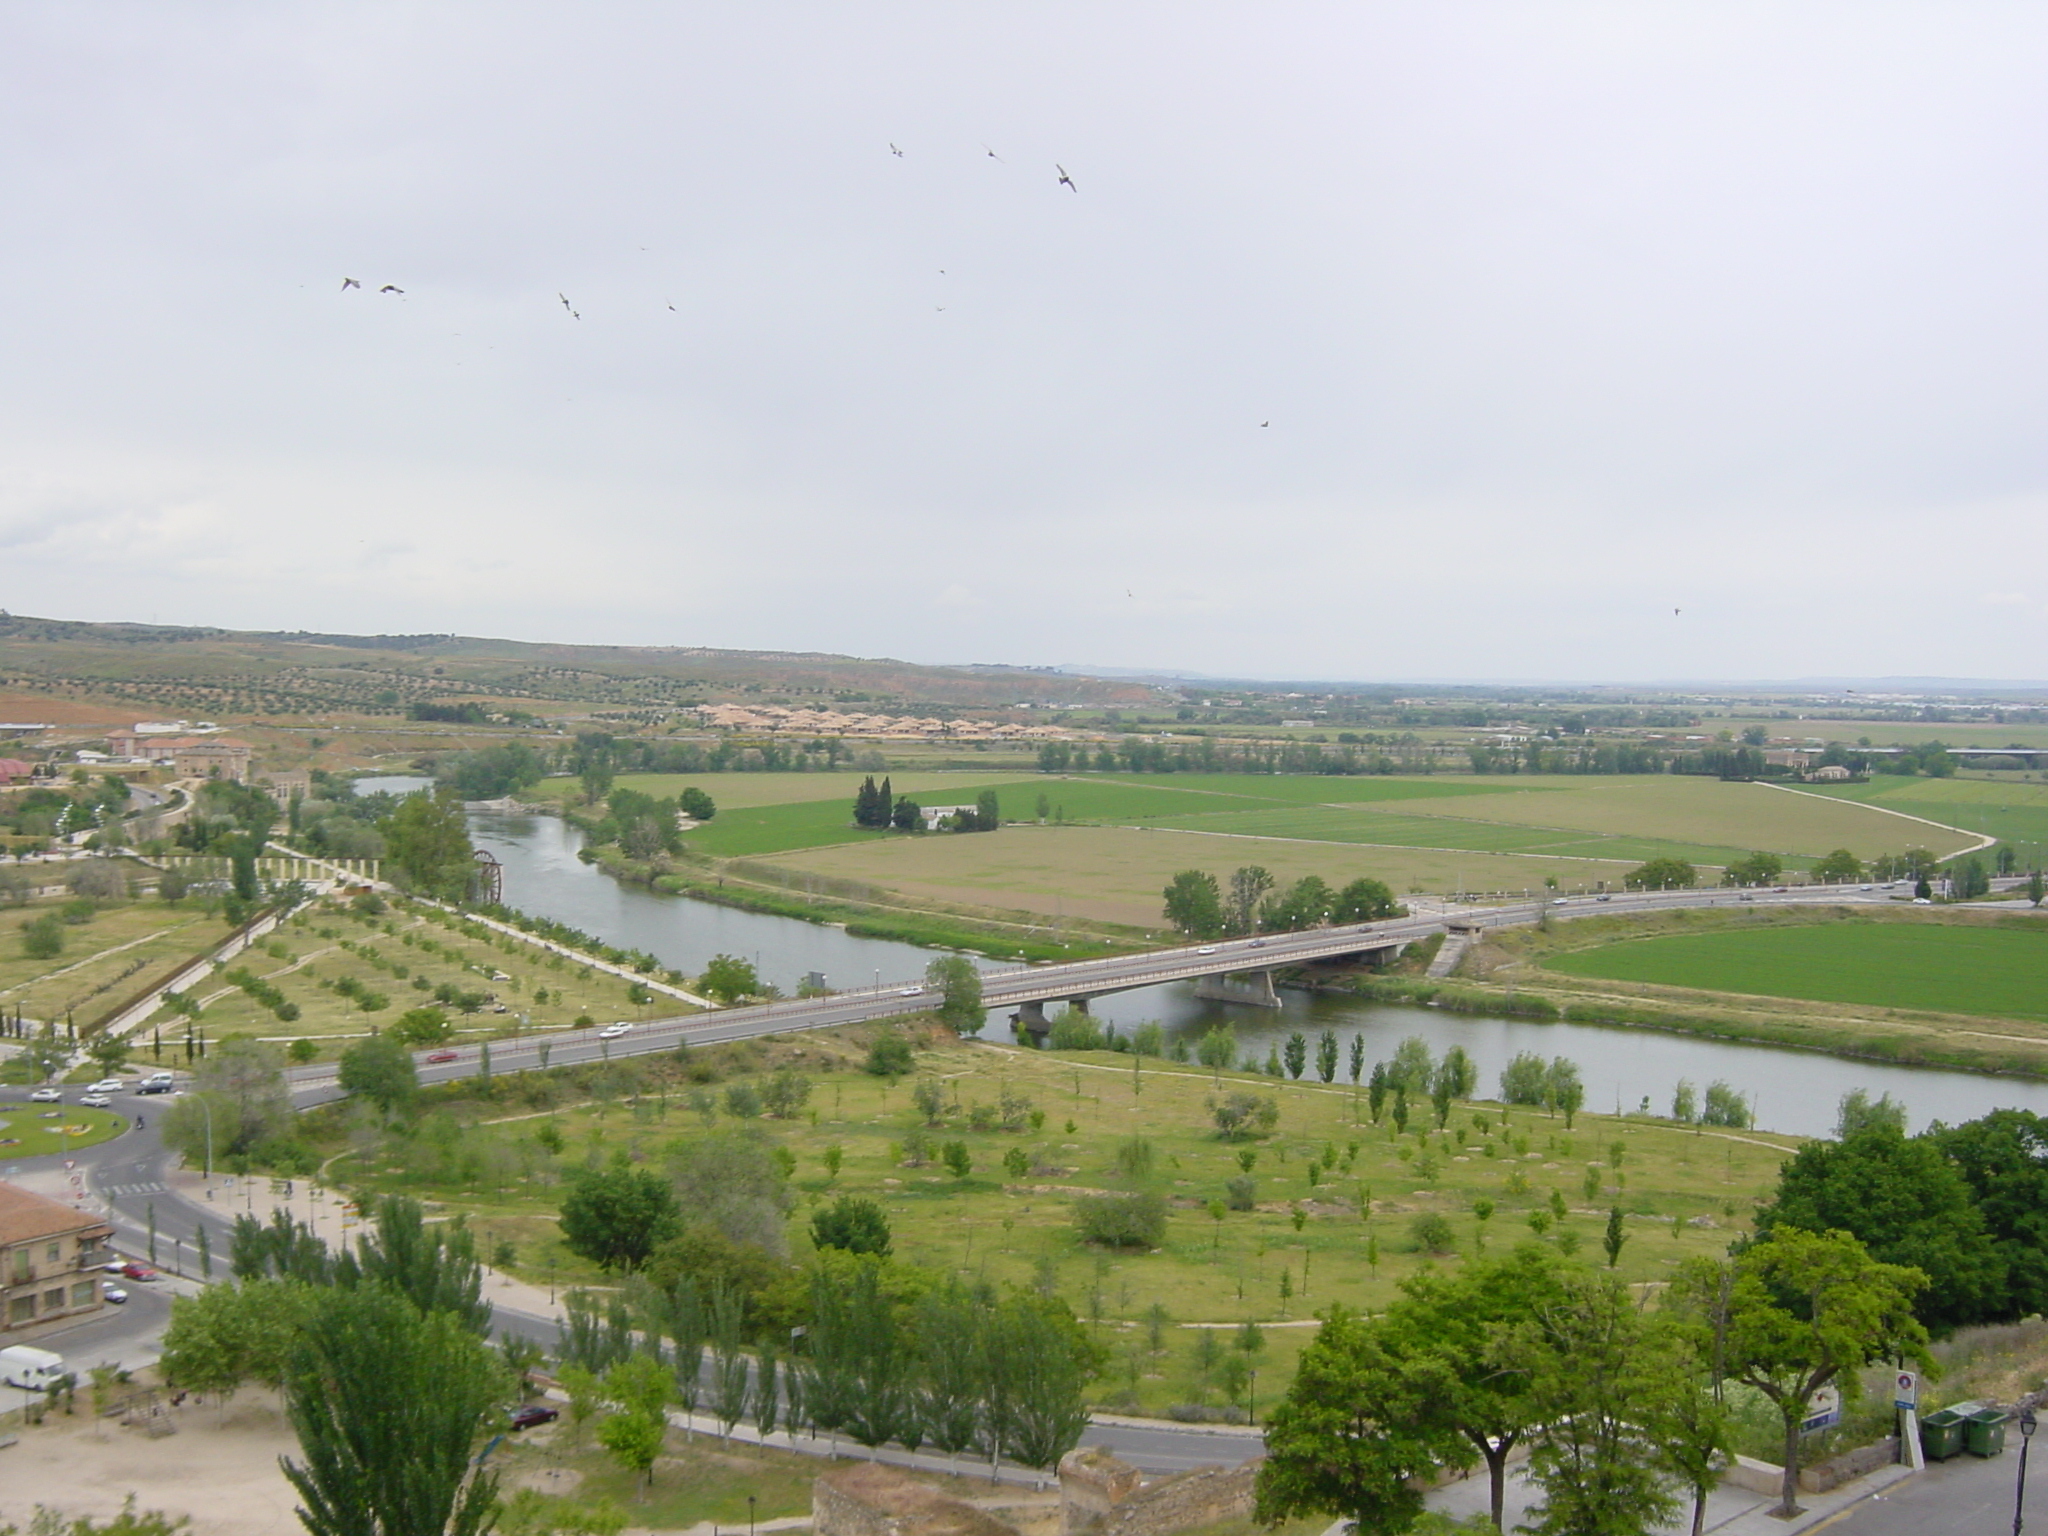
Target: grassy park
109, 949
33, 1130
1341, 1208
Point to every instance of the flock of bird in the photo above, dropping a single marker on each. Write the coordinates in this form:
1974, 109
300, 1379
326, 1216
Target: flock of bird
1063, 180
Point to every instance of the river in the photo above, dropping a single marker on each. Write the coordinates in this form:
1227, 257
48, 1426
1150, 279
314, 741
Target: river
1793, 1091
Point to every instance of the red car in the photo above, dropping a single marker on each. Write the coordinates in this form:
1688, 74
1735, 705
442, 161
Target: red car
136, 1270
436, 1057
533, 1415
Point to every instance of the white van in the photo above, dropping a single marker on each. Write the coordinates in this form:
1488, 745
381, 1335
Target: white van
37, 1370
156, 1082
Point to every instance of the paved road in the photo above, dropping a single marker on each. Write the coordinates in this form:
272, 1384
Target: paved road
1963, 1497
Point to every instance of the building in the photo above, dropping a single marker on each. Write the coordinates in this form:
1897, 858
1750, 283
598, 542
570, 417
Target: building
189, 757
14, 771
51, 1262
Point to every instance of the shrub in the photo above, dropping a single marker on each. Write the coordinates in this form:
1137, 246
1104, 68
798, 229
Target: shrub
1433, 1233
42, 938
742, 1101
1241, 1114
1242, 1193
854, 1224
888, 1056
1121, 1221
1075, 1031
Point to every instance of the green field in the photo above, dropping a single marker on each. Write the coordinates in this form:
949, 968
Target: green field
2009, 808
1685, 1189
1948, 968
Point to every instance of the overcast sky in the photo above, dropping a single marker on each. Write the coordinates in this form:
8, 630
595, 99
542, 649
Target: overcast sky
1563, 318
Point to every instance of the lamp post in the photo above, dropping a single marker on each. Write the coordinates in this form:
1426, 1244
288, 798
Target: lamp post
2019, 1503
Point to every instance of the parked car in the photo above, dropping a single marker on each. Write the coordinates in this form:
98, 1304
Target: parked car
94, 1100
613, 1031
106, 1085
533, 1415
113, 1293
47, 1096
135, 1269
437, 1057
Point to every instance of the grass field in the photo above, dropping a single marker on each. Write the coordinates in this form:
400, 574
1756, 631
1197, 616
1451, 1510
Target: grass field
1018, 1229
1994, 970
119, 949
306, 956
2009, 808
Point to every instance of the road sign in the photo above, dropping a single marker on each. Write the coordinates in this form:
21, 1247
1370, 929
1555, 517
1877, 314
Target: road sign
1824, 1412
1906, 1390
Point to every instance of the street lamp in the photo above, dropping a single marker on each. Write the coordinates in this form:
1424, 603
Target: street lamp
2027, 1426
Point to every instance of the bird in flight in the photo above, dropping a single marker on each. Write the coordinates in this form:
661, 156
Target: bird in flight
571, 308
348, 283
391, 288
1066, 180
1265, 423
993, 155
895, 151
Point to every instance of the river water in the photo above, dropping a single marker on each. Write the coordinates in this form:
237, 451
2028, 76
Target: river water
1793, 1091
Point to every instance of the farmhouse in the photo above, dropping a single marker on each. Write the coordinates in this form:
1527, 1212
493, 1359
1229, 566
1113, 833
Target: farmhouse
50, 1258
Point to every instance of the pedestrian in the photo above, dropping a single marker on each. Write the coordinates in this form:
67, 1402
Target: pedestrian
138, 1122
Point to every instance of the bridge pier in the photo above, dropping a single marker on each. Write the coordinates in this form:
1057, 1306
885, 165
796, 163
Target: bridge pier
1252, 988
1078, 1004
1030, 1019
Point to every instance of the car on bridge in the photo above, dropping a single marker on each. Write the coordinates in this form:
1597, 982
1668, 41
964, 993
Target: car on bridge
435, 1058
613, 1031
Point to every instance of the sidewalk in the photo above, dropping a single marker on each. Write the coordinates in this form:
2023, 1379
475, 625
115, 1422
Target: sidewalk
1731, 1511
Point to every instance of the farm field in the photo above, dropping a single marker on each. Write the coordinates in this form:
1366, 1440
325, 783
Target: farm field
106, 958
1306, 1243
398, 959
2010, 808
1116, 874
1953, 968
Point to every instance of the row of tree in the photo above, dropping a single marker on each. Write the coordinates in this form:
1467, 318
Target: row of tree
1198, 906
1617, 1405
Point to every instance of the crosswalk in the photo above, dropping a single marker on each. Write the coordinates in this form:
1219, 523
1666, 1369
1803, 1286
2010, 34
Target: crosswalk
117, 1190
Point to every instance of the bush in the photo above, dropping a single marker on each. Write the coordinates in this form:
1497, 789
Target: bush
1242, 1193
42, 938
853, 1224
1121, 1221
742, 1101
1075, 1031
1241, 1115
888, 1056
1433, 1233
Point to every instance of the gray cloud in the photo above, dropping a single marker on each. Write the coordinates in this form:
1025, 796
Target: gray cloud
1563, 318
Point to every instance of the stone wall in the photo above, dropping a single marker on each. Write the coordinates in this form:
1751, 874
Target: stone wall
870, 1499
1103, 1496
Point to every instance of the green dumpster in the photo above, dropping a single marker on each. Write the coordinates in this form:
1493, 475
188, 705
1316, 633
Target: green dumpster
1941, 1434
1986, 1431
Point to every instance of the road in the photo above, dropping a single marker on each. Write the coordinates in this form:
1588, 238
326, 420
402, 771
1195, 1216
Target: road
1963, 1497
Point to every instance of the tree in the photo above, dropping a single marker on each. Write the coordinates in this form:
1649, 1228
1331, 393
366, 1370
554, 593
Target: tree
1355, 1436
1904, 1201
387, 1403
435, 1268
244, 1080
908, 815
959, 987
1441, 1333
1797, 1311
958, 1160
1248, 885
1838, 868
2037, 888
729, 978
641, 1386
226, 1335
1615, 1237
1857, 1111
381, 1070
1240, 1115
618, 1216
1037, 1366
2004, 1159
888, 1056
1326, 1056
988, 815
42, 938
852, 1223
1971, 880
785, 1093
421, 1026
695, 804
109, 1053
426, 844
1524, 1080
1754, 869
1194, 905
1661, 875
1366, 901
1296, 1054
1598, 1372
1306, 904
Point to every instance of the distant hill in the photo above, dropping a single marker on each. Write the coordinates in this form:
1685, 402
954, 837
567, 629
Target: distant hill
203, 672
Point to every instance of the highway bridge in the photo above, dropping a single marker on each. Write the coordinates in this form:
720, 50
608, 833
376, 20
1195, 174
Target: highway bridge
1235, 970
